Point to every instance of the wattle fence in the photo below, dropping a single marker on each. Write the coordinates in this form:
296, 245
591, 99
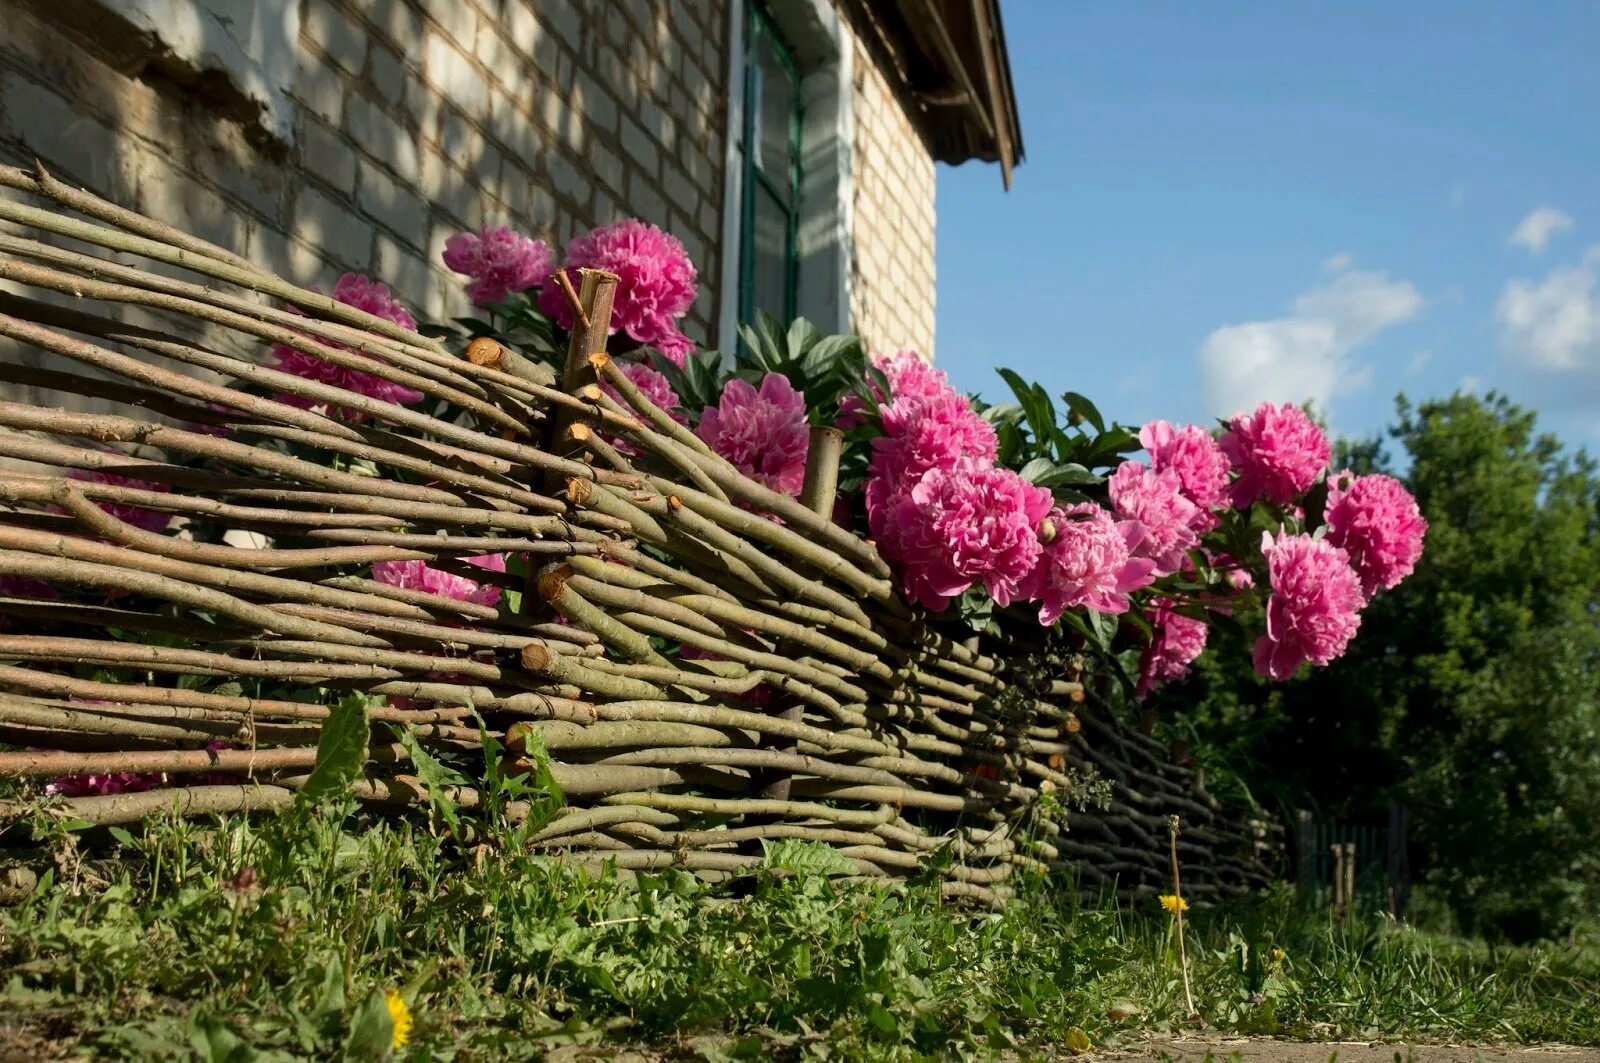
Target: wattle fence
701, 665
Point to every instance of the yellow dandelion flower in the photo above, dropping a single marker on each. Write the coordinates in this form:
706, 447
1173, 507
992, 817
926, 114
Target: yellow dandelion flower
1279, 955
1173, 904
400, 1016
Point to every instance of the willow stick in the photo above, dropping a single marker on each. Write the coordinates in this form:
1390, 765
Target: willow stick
818, 492
21, 487
380, 362
106, 428
107, 526
662, 446
188, 801
179, 661
258, 584
553, 586
41, 183
782, 538
767, 568
51, 718
541, 661
602, 367
521, 388
178, 697
586, 437
244, 278
491, 354
318, 393
102, 576
590, 327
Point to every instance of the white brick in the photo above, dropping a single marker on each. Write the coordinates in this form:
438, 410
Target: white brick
449, 71
345, 234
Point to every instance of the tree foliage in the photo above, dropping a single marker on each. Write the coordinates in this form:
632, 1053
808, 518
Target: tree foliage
1473, 690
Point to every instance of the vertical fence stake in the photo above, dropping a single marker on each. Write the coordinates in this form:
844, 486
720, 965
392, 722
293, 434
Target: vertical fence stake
817, 494
1338, 881
1305, 853
1349, 876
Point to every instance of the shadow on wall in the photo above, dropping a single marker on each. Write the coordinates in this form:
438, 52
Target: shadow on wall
398, 126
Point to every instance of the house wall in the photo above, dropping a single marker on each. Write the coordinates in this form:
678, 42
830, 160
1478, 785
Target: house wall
892, 275
400, 122
407, 122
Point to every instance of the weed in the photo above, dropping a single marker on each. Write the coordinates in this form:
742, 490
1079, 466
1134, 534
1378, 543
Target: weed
292, 937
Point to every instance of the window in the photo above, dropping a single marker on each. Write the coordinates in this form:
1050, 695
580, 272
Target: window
786, 215
770, 230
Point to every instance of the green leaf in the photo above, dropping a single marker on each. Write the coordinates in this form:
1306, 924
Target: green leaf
1046, 473
1085, 409
803, 335
1035, 404
805, 858
1104, 626
371, 1029
330, 1001
341, 750
435, 776
214, 1042
829, 352
544, 778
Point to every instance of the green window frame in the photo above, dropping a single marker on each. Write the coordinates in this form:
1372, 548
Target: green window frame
769, 258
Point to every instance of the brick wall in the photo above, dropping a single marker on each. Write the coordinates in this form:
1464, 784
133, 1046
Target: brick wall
411, 121
892, 283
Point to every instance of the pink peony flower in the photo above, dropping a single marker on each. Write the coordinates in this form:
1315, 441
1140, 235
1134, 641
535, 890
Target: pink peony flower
131, 782
911, 378
1278, 452
675, 347
1375, 520
1190, 454
958, 526
1090, 563
363, 293
657, 284
943, 432
655, 388
763, 433
1315, 606
1156, 501
499, 261
148, 519
417, 576
119, 782
1177, 641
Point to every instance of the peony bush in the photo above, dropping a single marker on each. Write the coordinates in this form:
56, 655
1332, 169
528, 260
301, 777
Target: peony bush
1132, 543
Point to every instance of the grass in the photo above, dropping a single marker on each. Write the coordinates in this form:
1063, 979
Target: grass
278, 939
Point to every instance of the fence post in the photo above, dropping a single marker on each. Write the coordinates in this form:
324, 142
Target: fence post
1338, 880
1398, 870
1305, 852
820, 488
1349, 876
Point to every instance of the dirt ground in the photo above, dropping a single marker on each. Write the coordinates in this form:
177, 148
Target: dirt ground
1269, 1051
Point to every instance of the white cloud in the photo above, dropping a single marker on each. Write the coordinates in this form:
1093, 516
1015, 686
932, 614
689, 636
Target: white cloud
1305, 354
1470, 385
1419, 362
1337, 263
1554, 325
1458, 195
1539, 226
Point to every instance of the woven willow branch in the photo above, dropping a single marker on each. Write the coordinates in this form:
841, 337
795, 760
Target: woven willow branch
711, 667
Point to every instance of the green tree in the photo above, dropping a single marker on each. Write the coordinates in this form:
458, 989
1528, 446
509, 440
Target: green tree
1472, 691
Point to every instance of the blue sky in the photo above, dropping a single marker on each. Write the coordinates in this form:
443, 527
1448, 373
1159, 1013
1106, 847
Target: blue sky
1225, 202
